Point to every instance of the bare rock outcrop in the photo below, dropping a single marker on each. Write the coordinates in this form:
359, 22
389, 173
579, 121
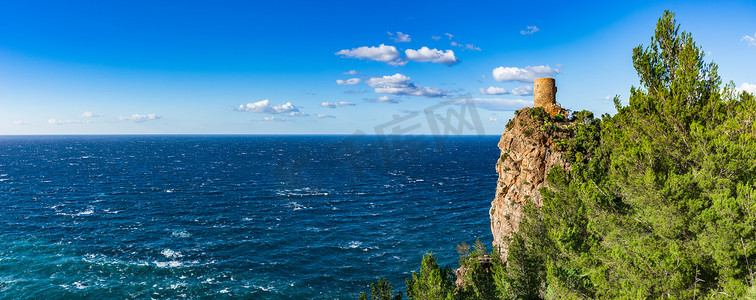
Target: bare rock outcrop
529, 149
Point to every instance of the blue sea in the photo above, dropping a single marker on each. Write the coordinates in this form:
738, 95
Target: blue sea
261, 217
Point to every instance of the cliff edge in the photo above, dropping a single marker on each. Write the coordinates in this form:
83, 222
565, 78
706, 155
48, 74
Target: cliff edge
530, 147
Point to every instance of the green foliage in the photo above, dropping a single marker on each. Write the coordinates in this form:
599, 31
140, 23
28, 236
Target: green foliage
509, 125
381, 290
431, 282
538, 113
477, 278
659, 200
661, 197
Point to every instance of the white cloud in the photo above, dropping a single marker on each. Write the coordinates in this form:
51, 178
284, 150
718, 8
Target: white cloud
492, 90
465, 46
19, 122
435, 38
426, 54
89, 114
399, 84
351, 81
336, 104
502, 104
497, 104
326, 116
383, 99
524, 90
520, 91
264, 106
400, 37
350, 72
449, 35
353, 92
750, 40
531, 30
527, 74
65, 122
382, 53
493, 118
748, 87
276, 119
138, 118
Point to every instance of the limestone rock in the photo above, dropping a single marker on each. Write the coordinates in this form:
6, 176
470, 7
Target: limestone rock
528, 152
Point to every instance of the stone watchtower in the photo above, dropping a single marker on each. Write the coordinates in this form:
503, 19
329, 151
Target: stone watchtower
544, 95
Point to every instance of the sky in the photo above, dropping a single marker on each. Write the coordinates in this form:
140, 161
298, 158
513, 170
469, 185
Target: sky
317, 67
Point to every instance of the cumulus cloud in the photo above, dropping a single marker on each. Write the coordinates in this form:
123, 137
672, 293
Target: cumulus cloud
350, 72
19, 122
264, 106
465, 46
383, 99
497, 104
138, 118
524, 90
336, 104
351, 81
400, 37
527, 74
530, 30
354, 92
326, 116
493, 118
399, 84
426, 54
449, 35
382, 53
65, 122
89, 114
435, 38
748, 87
520, 91
276, 119
492, 90
750, 40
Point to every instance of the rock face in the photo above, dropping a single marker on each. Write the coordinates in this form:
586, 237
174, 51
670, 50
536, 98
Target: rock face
528, 152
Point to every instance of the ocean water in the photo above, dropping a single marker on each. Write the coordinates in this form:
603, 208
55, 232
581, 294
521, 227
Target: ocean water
261, 217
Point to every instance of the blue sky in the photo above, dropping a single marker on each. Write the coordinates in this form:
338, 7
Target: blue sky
288, 67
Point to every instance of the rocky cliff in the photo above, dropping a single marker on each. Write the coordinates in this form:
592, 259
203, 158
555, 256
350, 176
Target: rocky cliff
529, 149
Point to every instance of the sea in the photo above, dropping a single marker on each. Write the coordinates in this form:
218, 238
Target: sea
256, 217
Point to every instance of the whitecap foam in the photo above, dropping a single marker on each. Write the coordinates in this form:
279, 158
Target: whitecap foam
181, 233
178, 285
266, 289
297, 206
168, 253
168, 264
303, 192
353, 245
79, 285
81, 213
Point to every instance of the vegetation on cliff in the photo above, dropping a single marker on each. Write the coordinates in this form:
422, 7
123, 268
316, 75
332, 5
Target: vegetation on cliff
660, 201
